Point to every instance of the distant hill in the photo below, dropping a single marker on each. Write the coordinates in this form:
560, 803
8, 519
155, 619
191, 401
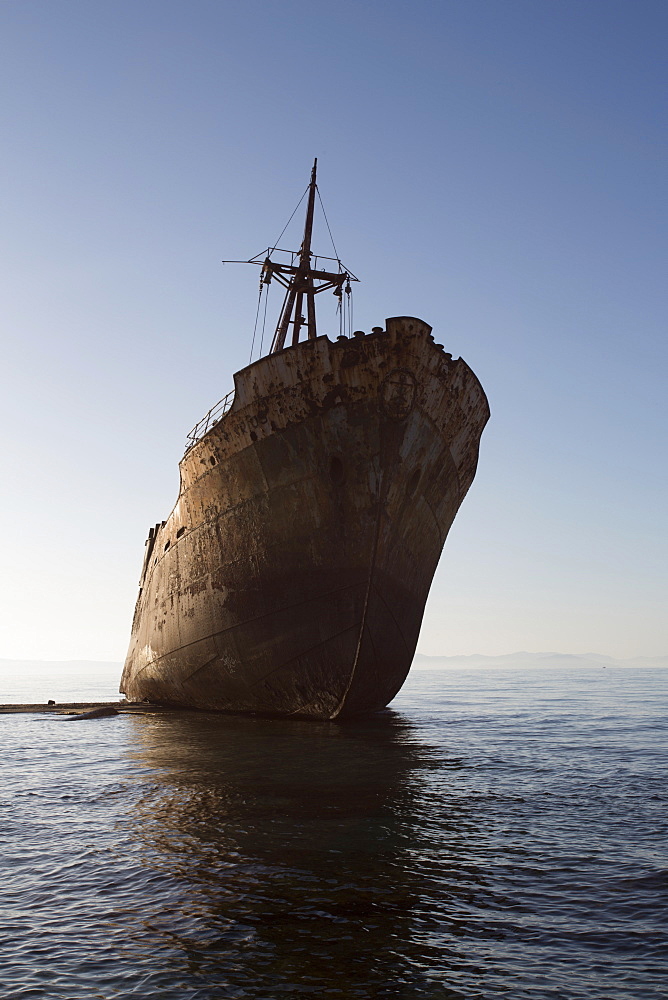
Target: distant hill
554, 660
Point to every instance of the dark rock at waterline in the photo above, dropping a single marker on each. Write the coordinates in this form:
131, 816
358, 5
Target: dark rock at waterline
96, 713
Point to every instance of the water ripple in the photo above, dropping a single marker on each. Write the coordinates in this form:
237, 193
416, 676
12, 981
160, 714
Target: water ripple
493, 836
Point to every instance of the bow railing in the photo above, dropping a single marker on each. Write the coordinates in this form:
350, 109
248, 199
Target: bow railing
209, 420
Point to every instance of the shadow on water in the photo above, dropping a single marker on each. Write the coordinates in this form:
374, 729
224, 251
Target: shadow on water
300, 855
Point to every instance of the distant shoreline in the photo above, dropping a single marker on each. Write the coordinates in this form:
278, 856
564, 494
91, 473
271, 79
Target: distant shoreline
520, 659
554, 660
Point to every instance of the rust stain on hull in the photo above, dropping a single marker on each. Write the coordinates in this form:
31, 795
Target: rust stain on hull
292, 574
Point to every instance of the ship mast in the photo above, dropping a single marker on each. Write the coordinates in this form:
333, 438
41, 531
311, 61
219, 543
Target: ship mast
301, 284
301, 280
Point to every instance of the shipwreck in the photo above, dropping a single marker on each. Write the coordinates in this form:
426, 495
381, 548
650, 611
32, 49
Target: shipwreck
291, 576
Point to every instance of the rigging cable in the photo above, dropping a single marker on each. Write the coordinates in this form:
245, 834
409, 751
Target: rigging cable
257, 313
264, 319
275, 246
336, 252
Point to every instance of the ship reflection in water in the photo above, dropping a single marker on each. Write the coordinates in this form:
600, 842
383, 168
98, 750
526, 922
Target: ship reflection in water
299, 855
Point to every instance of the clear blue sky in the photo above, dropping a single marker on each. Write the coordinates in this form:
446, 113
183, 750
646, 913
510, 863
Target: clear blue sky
496, 168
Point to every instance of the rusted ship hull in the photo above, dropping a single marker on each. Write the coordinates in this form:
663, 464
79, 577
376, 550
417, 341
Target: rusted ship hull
292, 574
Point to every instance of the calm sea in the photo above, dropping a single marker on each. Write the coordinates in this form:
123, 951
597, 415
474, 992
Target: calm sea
496, 834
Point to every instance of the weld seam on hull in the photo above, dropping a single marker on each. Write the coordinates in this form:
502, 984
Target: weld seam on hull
441, 536
246, 621
305, 652
379, 594
365, 609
